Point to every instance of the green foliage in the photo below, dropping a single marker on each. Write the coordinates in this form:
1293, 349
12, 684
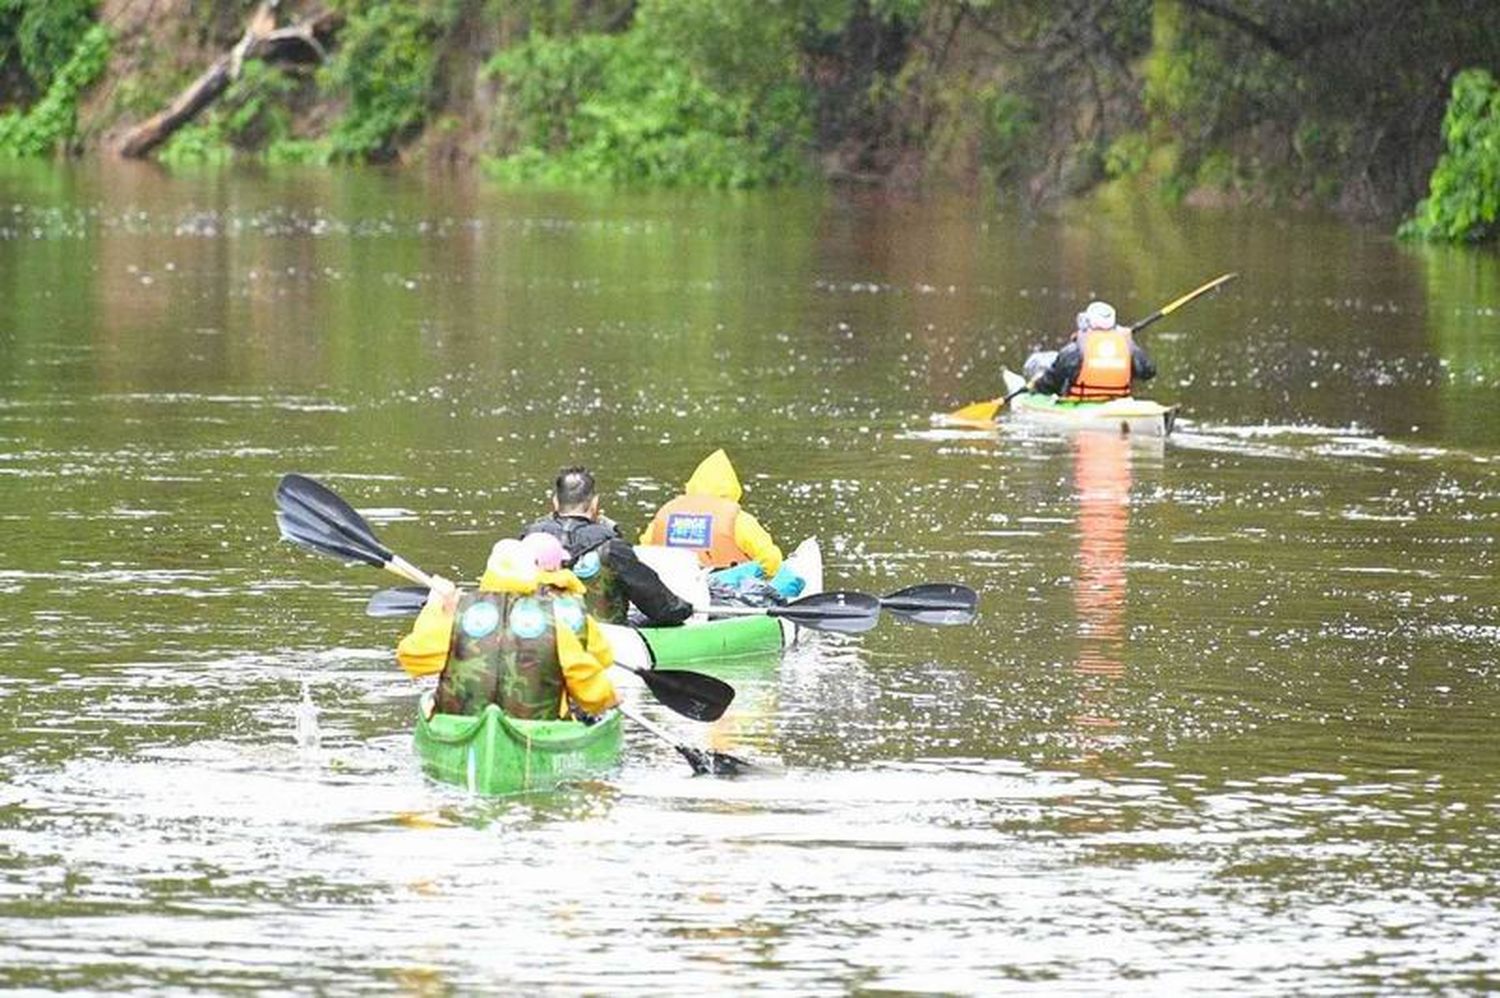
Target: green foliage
1127, 155
557, 17
1323, 101
908, 11
743, 48
290, 152
197, 143
386, 68
1007, 125
698, 92
1463, 203
41, 35
52, 121
1204, 83
251, 115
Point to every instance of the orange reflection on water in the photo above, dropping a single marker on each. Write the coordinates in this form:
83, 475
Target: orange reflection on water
1102, 476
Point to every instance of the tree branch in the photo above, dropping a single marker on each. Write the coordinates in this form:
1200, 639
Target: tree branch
298, 43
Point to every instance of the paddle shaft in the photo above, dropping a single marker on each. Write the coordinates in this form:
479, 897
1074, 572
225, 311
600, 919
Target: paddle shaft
703, 761
1019, 391
650, 726
843, 612
1173, 306
718, 610
411, 573
834, 603
916, 603
810, 618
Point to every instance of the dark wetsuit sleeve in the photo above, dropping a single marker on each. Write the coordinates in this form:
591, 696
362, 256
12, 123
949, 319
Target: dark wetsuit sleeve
1056, 379
1142, 368
644, 587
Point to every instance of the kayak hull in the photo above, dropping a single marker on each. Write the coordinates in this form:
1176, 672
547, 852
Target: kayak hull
1124, 416
727, 637
493, 754
704, 639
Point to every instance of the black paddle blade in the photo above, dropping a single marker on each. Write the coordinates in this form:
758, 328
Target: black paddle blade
318, 538
403, 601
939, 604
841, 612
313, 516
706, 762
691, 694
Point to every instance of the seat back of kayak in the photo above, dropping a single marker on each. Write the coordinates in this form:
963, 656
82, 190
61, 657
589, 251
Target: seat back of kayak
679, 571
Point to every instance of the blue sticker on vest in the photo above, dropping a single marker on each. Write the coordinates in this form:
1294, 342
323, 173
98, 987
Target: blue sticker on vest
689, 530
481, 619
588, 566
570, 612
527, 620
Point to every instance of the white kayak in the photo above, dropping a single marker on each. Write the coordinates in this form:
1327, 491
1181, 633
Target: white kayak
1125, 416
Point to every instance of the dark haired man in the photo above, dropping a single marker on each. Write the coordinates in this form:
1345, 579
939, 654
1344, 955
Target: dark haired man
600, 557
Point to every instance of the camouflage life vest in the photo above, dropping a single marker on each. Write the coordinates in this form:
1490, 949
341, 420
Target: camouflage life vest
606, 598
504, 651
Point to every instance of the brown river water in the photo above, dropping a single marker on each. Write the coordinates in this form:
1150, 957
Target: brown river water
1227, 721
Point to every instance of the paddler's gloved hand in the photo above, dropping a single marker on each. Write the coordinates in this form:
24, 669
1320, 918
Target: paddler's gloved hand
737, 577
443, 594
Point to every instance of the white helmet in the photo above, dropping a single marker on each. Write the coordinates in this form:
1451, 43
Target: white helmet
1101, 315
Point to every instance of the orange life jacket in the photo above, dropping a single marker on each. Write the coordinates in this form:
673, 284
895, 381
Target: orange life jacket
1105, 373
704, 524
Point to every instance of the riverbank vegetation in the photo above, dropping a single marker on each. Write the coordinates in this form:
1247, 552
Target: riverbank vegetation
1340, 104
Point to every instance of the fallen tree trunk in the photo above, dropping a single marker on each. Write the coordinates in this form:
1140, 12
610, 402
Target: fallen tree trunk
297, 44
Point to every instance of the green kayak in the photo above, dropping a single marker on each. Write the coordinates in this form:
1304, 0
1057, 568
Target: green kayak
729, 637
494, 754
703, 641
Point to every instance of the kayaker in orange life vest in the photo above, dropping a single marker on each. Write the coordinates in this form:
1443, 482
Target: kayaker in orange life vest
1100, 362
522, 641
707, 518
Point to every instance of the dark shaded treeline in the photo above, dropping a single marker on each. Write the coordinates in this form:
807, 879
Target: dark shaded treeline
1332, 103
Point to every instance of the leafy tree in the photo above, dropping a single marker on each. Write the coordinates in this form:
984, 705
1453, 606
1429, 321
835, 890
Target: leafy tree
1463, 203
386, 68
37, 37
702, 92
52, 121
1331, 101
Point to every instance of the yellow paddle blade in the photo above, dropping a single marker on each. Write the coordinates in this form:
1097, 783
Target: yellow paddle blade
422, 819
978, 412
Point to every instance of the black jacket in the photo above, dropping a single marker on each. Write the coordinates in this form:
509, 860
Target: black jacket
580, 535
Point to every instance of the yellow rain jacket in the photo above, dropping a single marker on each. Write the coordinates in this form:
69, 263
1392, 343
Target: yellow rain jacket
585, 664
715, 488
